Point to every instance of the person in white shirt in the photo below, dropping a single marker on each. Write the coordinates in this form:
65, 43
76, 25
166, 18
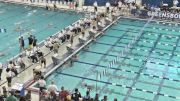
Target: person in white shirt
12, 67
51, 39
48, 44
42, 84
52, 87
95, 6
60, 35
33, 57
20, 62
9, 76
1, 69
107, 7
119, 5
175, 3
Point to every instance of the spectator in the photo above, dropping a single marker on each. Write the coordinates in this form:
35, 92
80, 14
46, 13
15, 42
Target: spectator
72, 39
76, 5
4, 91
62, 37
95, 6
52, 87
39, 52
8, 76
28, 96
115, 99
33, 57
56, 47
43, 61
55, 59
1, 98
91, 99
104, 99
48, 44
63, 94
55, 7
21, 43
107, 7
11, 97
42, 84
30, 39
36, 74
119, 5
20, 62
87, 96
96, 98
34, 41
12, 67
22, 99
1, 69
51, 39
52, 96
76, 95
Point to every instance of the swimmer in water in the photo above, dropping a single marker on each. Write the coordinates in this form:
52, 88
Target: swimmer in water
45, 14
50, 25
2, 54
17, 29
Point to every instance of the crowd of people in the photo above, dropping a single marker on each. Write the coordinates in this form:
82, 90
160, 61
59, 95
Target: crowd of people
51, 93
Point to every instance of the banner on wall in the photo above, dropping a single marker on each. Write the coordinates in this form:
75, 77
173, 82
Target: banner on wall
164, 14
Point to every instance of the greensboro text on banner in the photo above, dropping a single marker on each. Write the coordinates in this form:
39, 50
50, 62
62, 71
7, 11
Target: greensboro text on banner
164, 14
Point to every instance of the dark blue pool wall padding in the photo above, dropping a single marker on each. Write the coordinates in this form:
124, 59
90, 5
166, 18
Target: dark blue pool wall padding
157, 2
99, 2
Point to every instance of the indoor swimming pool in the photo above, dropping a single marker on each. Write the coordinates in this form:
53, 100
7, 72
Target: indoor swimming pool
150, 72
21, 20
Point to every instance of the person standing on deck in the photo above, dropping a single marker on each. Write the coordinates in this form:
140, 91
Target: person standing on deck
30, 39
11, 97
9, 76
76, 95
20, 62
56, 46
107, 7
52, 87
105, 98
34, 41
96, 98
63, 94
43, 61
1, 69
21, 43
42, 84
72, 39
119, 5
95, 6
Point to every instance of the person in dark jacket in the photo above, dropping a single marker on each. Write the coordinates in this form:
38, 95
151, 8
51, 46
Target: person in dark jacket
30, 39
34, 41
76, 95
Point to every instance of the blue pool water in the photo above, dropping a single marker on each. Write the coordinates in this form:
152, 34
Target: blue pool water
38, 21
150, 72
